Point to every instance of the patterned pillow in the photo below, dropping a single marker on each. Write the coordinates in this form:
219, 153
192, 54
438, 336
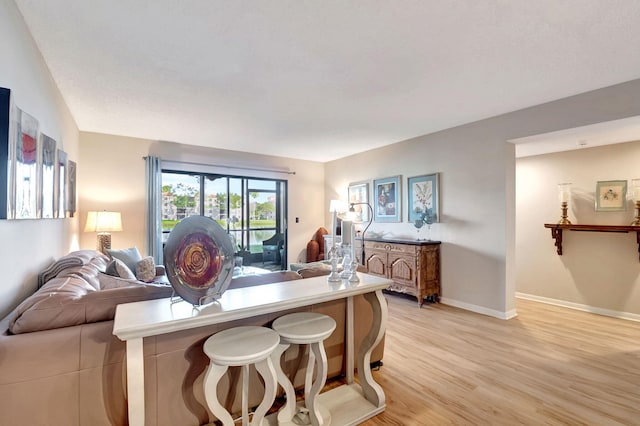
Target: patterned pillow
146, 269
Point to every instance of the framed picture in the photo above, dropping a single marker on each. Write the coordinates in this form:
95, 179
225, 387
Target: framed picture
424, 202
60, 192
387, 199
47, 172
71, 187
26, 168
359, 193
611, 195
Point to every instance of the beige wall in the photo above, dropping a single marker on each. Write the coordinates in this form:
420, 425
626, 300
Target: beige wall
111, 176
598, 272
27, 246
477, 167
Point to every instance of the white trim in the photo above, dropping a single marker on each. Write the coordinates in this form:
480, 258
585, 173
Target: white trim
479, 309
230, 169
580, 307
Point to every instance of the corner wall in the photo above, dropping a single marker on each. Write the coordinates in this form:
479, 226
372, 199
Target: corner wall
597, 271
28, 246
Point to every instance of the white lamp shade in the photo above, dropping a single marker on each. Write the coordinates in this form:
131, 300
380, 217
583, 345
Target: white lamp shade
103, 222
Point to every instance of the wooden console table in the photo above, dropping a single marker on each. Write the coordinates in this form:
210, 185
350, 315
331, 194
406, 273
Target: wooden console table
349, 404
556, 231
414, 266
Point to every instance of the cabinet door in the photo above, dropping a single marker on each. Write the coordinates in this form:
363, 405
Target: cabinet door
402, 270
377, 262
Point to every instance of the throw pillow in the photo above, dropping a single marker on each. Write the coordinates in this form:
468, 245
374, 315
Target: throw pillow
117, 268
146, 269
129, 256
108, 282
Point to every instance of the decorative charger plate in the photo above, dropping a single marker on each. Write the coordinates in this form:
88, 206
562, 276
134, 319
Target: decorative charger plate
198, 257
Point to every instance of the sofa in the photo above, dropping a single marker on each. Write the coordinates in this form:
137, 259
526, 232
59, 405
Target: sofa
60, 364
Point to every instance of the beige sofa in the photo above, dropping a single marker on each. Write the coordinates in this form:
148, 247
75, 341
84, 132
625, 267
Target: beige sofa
63, 366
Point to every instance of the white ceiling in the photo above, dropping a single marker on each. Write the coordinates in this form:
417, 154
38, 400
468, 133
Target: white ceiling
321, 80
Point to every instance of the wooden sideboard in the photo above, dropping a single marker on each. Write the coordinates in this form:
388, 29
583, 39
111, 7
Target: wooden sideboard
414, 266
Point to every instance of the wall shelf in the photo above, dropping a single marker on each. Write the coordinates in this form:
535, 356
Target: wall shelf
556, 231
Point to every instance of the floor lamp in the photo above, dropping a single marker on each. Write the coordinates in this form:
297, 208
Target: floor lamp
353, 210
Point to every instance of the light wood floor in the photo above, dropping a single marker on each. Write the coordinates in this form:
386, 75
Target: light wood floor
548, 366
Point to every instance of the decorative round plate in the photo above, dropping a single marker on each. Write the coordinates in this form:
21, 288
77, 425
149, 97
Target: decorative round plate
198, 257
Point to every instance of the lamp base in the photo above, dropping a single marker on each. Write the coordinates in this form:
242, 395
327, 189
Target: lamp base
104, 242
636, 219
563, 218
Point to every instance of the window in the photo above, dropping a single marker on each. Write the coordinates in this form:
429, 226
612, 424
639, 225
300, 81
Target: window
250, 209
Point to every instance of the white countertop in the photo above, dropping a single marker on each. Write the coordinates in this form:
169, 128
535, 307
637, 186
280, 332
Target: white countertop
153, 317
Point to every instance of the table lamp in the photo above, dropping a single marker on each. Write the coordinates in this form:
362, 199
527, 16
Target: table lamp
103, 223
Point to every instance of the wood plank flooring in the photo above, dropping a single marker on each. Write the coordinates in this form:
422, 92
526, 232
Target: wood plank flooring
548, 366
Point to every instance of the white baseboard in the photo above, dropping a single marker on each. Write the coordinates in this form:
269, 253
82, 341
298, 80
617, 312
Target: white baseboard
580, 307
479, 309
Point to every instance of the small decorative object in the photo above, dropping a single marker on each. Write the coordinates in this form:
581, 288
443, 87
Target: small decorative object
334, 276
103, 223
611, 196
199, 259
635, 184
424, 195
334, 252
564, 194
387, 199
349, 262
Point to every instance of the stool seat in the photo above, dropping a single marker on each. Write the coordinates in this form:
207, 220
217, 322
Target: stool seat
241, 345
304, 327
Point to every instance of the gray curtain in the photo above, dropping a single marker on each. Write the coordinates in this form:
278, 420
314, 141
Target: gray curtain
153, 168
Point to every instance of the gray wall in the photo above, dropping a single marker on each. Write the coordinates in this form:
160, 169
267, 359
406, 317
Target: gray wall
477, 167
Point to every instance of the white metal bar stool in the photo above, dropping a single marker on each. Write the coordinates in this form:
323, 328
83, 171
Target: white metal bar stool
241, 346
304, 328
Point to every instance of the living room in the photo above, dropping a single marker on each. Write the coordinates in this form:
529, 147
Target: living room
494, 243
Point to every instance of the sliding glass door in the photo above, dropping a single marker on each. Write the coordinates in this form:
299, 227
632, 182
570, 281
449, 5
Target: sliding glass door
252, 210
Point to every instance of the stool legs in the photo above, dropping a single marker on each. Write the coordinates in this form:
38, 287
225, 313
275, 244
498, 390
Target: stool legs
317, 352
287, 412
211, 379
268, 373
215, 372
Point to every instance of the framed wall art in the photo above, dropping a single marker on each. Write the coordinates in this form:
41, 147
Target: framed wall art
423, 195
359, 193
60, 194
71, 187
26, 168
47, 171
611, 195
387, 199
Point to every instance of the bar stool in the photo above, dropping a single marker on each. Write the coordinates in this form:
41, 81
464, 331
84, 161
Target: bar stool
304, 328
241, 346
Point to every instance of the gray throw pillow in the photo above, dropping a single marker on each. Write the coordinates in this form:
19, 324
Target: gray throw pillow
130, 256
117, 268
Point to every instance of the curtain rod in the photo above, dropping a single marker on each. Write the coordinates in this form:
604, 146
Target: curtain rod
191, 163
